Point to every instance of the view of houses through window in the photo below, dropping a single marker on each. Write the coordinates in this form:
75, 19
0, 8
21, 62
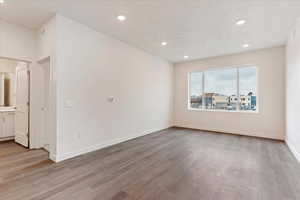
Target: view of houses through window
224, 89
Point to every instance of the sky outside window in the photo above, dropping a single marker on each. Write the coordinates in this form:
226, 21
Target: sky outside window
221, 81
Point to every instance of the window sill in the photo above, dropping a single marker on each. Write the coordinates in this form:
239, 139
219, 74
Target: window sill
225, 111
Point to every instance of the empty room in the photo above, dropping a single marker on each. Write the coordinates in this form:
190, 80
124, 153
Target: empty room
150, 100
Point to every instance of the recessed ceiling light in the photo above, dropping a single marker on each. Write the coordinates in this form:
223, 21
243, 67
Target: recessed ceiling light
186, 57
164, 43
246, 45
1, 1
240, 22
121, 18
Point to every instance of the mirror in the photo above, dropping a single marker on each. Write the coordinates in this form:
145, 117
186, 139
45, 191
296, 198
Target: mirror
7, 82
7, 88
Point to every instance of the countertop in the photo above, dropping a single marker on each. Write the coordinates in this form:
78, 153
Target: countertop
7, 109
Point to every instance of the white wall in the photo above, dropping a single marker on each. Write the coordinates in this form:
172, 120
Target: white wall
46, 40
92, 67
17, 42
293, 91
269, 122
8, 66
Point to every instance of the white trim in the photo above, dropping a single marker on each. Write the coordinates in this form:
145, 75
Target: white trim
7, 139
53, 157
226, 111
258, 134
42, 60
293, 150
65, 156
238, 103
16, 59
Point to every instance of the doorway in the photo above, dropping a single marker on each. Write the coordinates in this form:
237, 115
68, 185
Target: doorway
45, 136
14, 101
26, 107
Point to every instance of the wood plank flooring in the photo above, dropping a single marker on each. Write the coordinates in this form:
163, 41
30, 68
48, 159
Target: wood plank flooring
174, 164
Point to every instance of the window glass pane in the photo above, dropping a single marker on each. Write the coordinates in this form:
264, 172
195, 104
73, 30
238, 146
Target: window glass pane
196, 90
248, 88
221, 89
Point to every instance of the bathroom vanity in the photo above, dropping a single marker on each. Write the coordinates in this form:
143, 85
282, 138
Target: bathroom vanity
7, 106
7, 123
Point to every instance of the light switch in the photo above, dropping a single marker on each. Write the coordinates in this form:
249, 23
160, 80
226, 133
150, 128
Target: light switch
68, 104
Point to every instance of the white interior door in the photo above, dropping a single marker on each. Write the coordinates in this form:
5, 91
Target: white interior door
22, 105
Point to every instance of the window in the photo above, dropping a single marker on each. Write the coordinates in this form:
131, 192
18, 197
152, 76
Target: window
196, 88
247, 88
231, 89
220, 85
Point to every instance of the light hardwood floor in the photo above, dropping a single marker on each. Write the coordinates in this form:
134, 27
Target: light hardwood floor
174, 164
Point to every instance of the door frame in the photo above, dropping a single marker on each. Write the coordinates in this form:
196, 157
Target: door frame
46, 115
29, 105
52, 129
28, 63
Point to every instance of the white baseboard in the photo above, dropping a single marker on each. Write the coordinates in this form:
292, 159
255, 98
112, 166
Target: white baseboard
250, 134
59, 158
53, 157
7, 139
293, 150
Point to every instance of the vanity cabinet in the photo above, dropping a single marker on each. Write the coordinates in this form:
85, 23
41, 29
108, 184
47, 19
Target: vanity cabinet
7, 125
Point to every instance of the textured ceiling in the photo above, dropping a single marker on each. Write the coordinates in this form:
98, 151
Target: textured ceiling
198, 28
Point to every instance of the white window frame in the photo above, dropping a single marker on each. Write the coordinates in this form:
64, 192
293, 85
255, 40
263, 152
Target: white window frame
238, 90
